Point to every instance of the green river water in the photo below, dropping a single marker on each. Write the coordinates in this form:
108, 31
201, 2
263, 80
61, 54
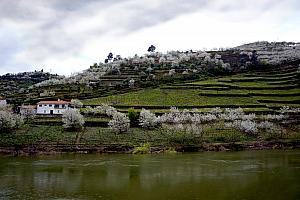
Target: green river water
209, 175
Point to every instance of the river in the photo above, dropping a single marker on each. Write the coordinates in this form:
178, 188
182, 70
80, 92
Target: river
208, 175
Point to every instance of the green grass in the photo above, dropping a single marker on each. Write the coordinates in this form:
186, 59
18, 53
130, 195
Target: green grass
156, 97
37, 135
233, 82
292, 98
214, 91
277, 84
295, 91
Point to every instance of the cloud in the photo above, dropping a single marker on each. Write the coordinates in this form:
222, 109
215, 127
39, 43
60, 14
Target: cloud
68, 36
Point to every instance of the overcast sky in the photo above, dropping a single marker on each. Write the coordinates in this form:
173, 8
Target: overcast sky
67, 36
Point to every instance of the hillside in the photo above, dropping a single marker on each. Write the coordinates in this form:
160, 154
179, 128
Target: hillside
260, 89
205, 91
259, 76
126, 74
264, 91
11, 84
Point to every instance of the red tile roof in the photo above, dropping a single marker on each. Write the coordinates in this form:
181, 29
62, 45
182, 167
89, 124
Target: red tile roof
28, 107
54, 102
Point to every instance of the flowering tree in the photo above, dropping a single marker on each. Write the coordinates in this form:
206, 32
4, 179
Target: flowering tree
109, 110
76, 103
148, 119
9, 121
119, 123
247, 126
172, 72
28, 112
131, 83
103, 109
72, 119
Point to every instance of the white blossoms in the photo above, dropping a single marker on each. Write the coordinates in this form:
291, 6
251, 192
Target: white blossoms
148, 119
9, 121
72, 119
119, 122
76, 103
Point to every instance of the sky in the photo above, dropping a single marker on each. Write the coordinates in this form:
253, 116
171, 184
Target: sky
67, 36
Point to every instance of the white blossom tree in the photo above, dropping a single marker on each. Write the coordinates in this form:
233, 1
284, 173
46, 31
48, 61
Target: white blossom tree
172, 72
72, 119
28, 112
109, 110
10, 121
131, 83
247, 126
76, 103
119, 123
148, 119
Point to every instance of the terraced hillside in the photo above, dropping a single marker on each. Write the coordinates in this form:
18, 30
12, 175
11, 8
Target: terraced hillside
11, 84
260, 91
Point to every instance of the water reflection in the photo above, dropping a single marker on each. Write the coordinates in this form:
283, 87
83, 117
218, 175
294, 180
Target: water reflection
234, 175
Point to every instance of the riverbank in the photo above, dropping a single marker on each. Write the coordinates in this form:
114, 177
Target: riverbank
44, 149
40, 139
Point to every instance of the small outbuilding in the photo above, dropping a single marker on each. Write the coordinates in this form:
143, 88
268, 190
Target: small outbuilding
27, 110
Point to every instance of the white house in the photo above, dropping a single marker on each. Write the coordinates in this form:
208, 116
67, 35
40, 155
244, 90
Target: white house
52, 107
2, 101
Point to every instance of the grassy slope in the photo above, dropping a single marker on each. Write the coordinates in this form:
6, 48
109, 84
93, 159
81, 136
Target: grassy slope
157, 97
273, 88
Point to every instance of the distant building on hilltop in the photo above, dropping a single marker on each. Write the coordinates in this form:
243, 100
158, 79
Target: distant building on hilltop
3, 101
52, 107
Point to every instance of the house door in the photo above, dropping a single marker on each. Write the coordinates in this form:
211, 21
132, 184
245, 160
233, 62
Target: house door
51, 112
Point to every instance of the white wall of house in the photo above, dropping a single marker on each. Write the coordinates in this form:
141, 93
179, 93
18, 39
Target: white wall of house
55, 109
3, 102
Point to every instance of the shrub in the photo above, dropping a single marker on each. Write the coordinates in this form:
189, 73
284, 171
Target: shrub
120, 122
19, 121
229, 136
170, 150
72, 119
133, 116
143, 149
270, 130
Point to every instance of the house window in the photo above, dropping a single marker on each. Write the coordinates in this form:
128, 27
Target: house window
50, 105
45, 111
63, 105
40, 105
56, 106
58, 111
